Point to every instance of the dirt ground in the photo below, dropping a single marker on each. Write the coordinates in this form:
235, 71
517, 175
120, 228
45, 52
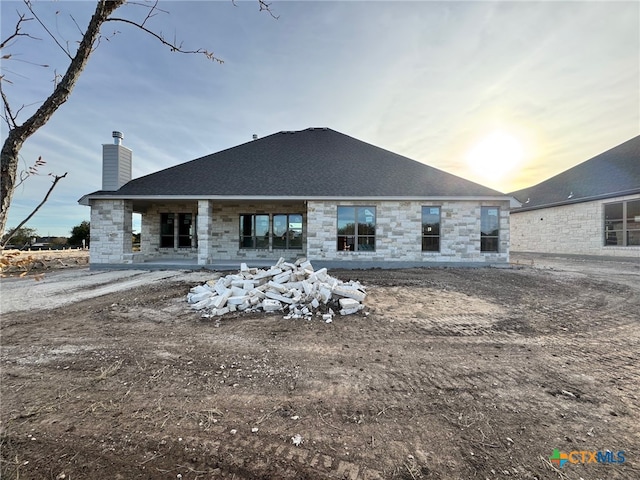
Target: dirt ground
447, 374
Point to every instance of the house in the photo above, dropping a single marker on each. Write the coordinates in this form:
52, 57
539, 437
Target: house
590, 209
313, 193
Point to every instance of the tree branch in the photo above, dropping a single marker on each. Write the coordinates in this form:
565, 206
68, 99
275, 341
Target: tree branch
264, 6
21, 18
32, 170
56, 179
152, 12
9, 117
53, 37
174, 47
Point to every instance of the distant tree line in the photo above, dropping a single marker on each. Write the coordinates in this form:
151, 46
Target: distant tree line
29, 238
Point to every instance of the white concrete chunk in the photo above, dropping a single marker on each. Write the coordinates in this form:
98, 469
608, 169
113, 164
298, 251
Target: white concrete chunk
221, 300
220, 286
200, 289
270, 305
238, 292
282, 278
197, 297
256, 292
349, 311
238, 300
348, 303
278, 287
325, 294
306, 265
276, 296
349, 292
268, 273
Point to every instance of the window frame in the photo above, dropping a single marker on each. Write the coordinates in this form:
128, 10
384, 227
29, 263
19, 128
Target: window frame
289, 235
486, 240
190, 236
431, 236
621, 226
251, 242
353, 239
256, 242
166, 219
176, 220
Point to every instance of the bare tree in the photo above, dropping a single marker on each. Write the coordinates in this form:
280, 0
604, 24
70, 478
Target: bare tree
20, 132
24, 175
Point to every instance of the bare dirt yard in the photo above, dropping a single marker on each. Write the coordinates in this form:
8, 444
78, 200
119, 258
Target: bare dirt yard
447, 374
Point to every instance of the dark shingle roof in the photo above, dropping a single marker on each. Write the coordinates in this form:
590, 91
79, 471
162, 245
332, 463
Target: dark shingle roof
306, 163
612, 173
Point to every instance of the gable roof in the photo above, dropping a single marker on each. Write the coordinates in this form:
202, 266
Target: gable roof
613, 173
316, 162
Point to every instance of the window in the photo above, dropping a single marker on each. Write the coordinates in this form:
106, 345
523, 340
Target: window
184, 230
167, 221
489, 229
356, 229
186, 227
254, 231
287, 231
430, 229
622, 223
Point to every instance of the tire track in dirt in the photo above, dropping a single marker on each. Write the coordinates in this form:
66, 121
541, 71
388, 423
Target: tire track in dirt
274, 451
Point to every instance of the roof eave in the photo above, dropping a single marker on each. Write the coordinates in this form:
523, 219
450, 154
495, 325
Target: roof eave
577, 200
513, 203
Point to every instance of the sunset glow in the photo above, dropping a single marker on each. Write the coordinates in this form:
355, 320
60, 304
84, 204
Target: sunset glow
495, 155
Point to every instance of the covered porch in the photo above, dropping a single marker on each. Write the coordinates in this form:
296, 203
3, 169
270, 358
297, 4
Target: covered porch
217, 233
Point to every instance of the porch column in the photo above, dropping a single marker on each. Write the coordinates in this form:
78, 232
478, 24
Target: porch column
111, 231
204, 224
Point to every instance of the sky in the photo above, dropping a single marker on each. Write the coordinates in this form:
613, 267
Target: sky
504, 93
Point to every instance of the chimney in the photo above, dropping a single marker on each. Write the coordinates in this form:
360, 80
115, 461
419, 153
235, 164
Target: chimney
255, 136
116, 163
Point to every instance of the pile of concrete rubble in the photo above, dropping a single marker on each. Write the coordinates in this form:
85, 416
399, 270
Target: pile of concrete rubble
294, 288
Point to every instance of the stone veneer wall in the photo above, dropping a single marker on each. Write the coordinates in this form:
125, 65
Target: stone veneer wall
399, 232
568, 229
111, 231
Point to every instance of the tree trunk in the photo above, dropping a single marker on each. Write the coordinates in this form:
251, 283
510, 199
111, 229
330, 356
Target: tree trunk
18, 135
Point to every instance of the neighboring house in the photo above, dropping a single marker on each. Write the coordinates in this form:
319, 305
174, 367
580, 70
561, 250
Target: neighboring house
590, 209
314, 193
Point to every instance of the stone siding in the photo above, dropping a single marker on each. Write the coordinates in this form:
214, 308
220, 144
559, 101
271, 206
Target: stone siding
567, 229
399, 232
111, 231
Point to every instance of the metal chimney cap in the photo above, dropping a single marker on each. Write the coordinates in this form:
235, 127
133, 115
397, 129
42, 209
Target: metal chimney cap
255, 137
117, 134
